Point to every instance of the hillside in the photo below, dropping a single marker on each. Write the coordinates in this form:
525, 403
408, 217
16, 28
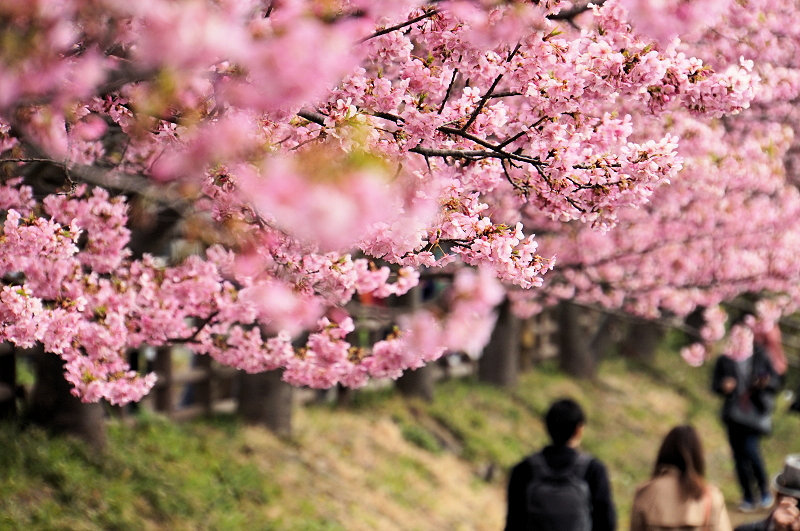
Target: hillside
380, 463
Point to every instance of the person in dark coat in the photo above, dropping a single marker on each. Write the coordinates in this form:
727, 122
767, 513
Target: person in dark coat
565, 421
749, 383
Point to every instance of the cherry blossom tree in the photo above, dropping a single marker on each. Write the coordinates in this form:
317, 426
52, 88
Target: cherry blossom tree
727, 223
319, 152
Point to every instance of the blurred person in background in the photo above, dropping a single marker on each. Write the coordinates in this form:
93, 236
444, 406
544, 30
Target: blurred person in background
561, 488
677, 495
748, 375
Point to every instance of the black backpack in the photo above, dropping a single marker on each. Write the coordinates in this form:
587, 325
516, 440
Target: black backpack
559, 500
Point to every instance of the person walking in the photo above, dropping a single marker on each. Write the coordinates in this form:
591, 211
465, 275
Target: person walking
560, 488
677, 495
747, 378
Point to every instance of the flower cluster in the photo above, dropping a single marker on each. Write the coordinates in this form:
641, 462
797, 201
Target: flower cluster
312, 154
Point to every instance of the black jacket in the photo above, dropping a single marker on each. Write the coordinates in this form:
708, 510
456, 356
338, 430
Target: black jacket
604, 516
758, 397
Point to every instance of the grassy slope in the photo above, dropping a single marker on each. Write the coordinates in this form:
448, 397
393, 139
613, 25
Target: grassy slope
382, 463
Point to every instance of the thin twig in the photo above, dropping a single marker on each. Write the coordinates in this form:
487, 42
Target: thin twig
506, 142
483, 101
510, 180
505, 94
194, 335
449, 88
513, 52
518, 135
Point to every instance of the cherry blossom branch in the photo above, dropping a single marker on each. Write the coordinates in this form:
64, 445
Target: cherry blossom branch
455, 153
716, 284
713, 235
205, 322
574, 11
519, 135
449, 89
515, 185
481, 103
113, 179
505, 94
401, 25
318, 118
312, 116
488, 145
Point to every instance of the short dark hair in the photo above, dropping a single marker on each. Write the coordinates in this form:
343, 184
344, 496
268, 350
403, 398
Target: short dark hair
683, 449
563, 419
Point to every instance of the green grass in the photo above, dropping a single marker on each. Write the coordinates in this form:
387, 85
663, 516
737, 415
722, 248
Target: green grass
382, 463
154, 474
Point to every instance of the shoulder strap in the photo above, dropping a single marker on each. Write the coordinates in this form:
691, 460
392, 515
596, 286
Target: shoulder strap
578, 467
581, 464
707, 508
538, 463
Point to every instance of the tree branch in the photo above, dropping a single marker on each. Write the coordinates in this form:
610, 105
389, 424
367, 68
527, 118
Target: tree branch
455, 153
488, 145
130, 183
197, 331
449, 88
574, 11
402, 25
312, 116
483, 101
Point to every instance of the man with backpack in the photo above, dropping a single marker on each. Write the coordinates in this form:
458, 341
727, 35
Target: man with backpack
560, 488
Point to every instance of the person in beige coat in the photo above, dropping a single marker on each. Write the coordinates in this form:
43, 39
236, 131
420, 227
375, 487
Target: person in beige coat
677, 495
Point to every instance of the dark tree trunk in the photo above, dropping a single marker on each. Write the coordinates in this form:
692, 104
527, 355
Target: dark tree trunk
528, 344
694, 322
417, 383
608, 332
266, 400
53, 406
202, 391
575, 356
8, 382
642, 340
164, 393
499, 364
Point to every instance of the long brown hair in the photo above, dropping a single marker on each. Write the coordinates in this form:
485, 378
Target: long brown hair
683, 450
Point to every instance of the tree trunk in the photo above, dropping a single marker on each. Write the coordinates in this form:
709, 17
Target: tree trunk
528, 344
608, 333
575, 356
8, 382
164, 393
694, 322
417, 383
53, 406
499, 364
266, 400
642, 340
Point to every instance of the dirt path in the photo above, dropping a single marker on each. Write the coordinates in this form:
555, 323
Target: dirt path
738, 517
